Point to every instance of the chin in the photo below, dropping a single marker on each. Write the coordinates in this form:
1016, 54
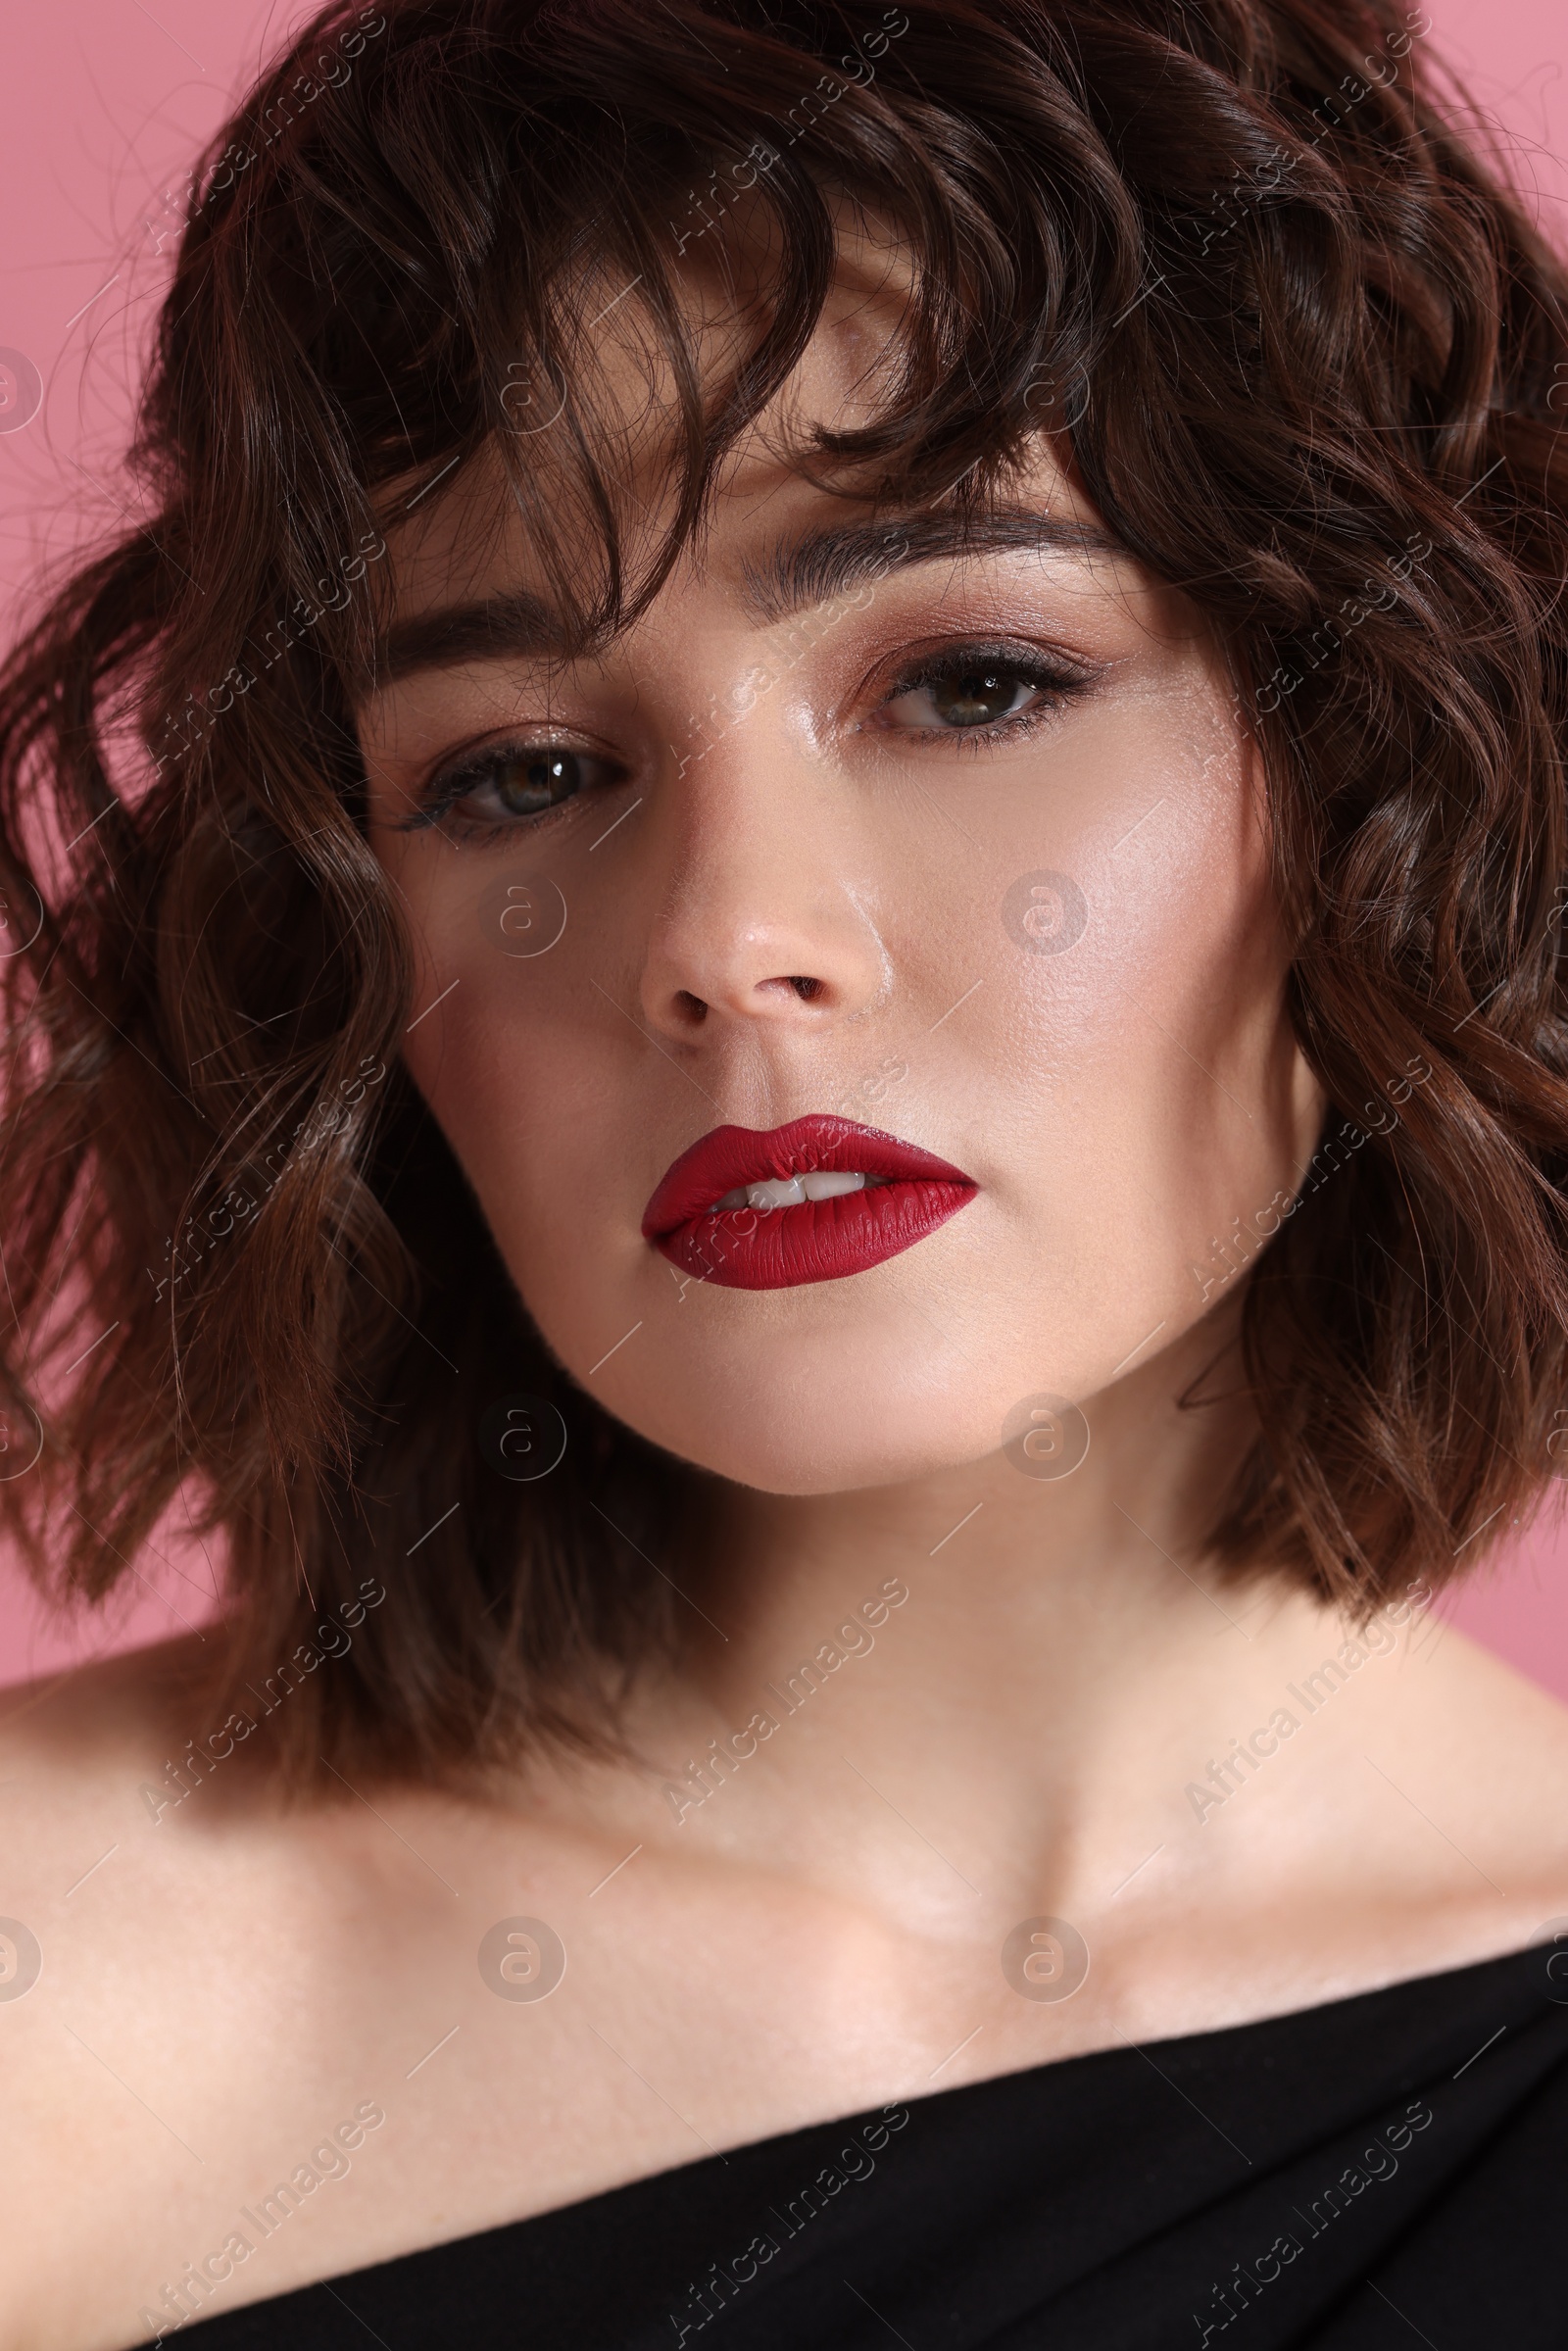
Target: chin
806, 1420
815, 1458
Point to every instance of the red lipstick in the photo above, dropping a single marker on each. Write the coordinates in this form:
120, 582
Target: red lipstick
789, 1235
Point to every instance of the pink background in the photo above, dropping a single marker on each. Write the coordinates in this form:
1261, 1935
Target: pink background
102, 105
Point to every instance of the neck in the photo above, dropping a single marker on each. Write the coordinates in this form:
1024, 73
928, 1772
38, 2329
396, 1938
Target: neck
1032, 1672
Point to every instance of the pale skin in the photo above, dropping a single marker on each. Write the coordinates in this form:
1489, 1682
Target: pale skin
822, 1934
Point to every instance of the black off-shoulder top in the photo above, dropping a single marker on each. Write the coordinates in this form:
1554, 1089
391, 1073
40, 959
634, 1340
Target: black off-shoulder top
1373, 2175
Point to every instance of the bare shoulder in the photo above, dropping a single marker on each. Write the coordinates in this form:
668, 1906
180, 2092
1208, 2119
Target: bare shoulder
89, 1765
1401, 1812
1441, 1778
248, 2041
1453, 1686
147, 1954
77, 1747
1489, 1747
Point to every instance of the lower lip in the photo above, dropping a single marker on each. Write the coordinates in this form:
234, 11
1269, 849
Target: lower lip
819, 1241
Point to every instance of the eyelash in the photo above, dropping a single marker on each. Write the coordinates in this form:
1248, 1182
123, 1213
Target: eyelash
1055, 680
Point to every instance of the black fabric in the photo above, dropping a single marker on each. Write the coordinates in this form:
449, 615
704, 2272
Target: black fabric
1280, 2172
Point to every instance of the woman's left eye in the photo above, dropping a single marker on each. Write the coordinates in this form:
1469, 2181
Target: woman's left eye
974, 690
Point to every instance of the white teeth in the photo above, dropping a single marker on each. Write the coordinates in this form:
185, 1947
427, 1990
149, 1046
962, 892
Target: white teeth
792, 1192
830, 1187
782, 1191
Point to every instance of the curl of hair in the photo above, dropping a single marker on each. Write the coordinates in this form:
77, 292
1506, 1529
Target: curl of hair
1308, 360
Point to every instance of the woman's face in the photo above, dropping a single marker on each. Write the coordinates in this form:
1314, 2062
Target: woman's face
962, 842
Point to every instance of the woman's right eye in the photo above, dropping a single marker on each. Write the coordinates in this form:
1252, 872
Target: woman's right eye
512, 783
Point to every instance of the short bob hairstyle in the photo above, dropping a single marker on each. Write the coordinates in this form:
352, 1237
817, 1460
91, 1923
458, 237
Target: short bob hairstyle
1304, 352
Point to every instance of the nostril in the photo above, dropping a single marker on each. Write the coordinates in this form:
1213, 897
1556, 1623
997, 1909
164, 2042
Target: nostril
807, 989
692, 1007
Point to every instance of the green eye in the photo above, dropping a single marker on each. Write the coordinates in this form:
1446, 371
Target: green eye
510, 784
527, 782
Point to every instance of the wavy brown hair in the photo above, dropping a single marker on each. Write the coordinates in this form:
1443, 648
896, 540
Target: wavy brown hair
1304, 352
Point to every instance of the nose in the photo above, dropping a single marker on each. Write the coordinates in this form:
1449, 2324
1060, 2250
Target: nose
763, 917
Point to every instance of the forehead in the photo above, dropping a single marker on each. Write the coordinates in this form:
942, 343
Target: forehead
769, 537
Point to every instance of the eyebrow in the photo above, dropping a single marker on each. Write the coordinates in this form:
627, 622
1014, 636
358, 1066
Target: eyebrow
795, 575
828, 563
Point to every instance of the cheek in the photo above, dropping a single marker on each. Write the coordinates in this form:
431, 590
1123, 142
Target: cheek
1174, 1022
512, 1045
509, 1070
1150, 1090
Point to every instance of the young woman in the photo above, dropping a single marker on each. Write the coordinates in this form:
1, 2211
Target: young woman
788, 1024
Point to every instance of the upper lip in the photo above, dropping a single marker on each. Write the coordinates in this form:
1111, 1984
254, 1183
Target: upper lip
731, 1156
